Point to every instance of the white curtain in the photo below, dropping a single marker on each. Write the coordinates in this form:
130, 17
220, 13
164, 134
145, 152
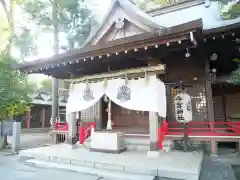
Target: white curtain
84, 95
138, 94
143, 94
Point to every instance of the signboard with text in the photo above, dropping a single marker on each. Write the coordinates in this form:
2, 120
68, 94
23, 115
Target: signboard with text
183, 107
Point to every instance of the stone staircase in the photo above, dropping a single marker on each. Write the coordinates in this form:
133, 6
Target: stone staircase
130, 165
104, 173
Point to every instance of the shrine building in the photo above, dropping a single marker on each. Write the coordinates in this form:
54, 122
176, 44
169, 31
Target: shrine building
129, 73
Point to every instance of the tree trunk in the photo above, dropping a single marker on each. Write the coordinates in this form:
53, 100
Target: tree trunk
9, 9
55, 82
1, 136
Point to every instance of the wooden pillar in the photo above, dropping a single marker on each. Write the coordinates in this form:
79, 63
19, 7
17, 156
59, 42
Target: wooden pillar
28, 118
170, 113
55, 101
153, 129
72, 128
43, 117
238, 147
208, 85
210, 110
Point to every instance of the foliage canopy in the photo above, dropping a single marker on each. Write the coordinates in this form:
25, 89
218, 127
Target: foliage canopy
14, 90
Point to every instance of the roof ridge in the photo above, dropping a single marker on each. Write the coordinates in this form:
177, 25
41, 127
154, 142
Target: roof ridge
129, 7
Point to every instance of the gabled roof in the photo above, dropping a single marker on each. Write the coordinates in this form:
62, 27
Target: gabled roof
132, 13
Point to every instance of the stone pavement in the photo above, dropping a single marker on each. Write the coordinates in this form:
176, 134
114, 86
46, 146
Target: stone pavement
175, 164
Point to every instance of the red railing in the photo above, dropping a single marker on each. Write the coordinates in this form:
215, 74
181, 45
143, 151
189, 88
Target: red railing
85, 131
198, 129
61, 126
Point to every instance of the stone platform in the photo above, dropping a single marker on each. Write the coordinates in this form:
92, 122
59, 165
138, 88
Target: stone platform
175, 164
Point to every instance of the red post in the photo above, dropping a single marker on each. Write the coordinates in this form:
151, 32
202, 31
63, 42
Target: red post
160, 138
28, 117
43, 117
66, 127
165, 126
212, 128
56, 125
81, 134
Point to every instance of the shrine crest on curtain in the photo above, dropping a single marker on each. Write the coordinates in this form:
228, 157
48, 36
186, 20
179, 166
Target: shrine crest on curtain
88, 94
124, 93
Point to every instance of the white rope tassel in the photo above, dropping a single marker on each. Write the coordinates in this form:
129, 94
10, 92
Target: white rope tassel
71, 87
146, 77
105, 83
126, 80
87, 84
109, 122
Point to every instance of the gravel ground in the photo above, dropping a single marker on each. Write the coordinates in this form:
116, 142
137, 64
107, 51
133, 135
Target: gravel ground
215, 170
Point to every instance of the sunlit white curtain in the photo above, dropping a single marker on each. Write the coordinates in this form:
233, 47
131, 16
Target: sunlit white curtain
143, 94
84, 95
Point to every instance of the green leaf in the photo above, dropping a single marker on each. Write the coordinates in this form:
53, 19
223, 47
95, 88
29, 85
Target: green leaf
14, 90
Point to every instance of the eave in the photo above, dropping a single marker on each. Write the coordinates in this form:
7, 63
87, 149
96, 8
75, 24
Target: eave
169, 35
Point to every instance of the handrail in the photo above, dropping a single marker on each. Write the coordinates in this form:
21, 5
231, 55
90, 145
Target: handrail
207, 129
61, 126
85, 131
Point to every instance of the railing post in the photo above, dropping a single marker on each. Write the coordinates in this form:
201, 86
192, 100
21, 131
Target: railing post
56, 125
212, 128
160, 143
81, 133
66, 126
165, 127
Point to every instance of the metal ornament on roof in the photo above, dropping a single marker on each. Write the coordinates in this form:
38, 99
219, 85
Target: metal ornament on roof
124, 93
87, 94
119, 23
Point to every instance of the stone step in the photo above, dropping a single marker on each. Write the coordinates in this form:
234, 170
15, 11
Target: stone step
88, 170
137, 141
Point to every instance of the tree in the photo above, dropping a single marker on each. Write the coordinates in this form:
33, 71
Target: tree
229, 9
153, 4
75, 20
235, 79
14, 91
46, 85
12, 36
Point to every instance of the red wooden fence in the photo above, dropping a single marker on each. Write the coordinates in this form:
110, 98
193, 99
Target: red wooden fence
203, 129
84, 131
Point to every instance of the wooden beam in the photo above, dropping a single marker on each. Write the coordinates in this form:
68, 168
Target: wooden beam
159, 69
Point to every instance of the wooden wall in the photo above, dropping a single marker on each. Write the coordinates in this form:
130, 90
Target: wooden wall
129, 118
232, 102
191, 72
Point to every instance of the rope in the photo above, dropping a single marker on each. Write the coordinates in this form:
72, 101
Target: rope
155, 69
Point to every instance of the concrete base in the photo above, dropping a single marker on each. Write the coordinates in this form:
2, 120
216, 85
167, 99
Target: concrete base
174, 164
